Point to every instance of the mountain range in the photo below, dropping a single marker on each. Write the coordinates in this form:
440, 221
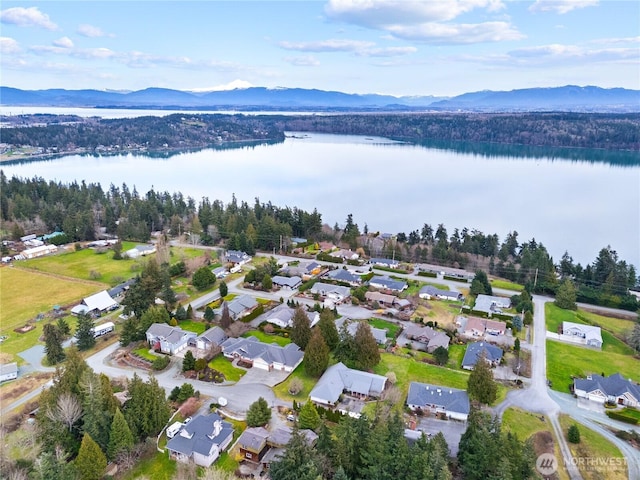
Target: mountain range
567, 98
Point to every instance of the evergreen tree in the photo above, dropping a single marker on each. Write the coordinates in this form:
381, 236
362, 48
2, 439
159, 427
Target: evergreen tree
224, 289
566, 295
366, 347
301, 328
130, 332
267, 282
309, 417
188, 361
573, 434
441, 355
181, 313
208, 314
327, 326
203, 278
299, 461
189, 312
53, 466
155, 314
480, 284
96, 417
259, 413
53, 344
146, 410
91, 462
225, 318
84, 332
63, 327
634, 337
528, 318
481, 386
120, 437
316, 356
345, 352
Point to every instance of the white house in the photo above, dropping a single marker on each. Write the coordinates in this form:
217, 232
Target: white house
338, 379
387, 283
97, 303
168, 339
237, 257
290, 283
201, 441
282, 316
8, 371
428, 292
39, 251
210, 338
591, 336
335, 293
140, 251
265, 356
436, 399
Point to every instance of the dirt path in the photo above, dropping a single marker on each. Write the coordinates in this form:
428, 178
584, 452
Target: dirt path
62, 277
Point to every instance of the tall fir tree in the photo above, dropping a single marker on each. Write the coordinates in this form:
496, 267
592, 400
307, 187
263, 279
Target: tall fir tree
84, 332
91, 462
327, 326
120, 436
367, 352
481, 386
316, 356
53, 344
301, 328
309, 417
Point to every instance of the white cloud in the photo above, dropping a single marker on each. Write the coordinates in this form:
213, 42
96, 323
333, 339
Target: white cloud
561, 6
443, 33
617, 41
387, 52
27, 17
327, 46
64, 42
87, 30
8, 45
305, 61
381, 13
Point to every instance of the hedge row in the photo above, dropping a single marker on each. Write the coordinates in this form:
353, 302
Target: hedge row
388, 269
622, 417
455, 279
259, 310
307, 285
428, 274
325, 257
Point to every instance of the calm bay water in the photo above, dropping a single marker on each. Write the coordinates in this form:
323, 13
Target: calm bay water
579, 206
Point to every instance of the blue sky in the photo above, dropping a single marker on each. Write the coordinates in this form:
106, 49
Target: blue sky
401, 47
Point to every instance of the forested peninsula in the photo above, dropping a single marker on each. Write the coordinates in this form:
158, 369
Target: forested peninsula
53, 134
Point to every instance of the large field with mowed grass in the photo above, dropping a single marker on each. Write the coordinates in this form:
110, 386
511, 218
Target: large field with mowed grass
282, 390
596, 457
266, 338
556, 315
438, 311
224, 366
524, 424
565, 360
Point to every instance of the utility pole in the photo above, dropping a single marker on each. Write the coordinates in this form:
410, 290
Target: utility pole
535, 280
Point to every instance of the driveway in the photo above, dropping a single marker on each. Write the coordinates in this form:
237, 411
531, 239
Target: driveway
451, 429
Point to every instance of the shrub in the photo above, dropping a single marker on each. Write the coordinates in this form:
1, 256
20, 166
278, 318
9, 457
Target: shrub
268, 328
160, 363
573, 435
295, 386
622, 417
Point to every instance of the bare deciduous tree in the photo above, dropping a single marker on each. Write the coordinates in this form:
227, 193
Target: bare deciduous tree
213, 473
67, 410
185, 471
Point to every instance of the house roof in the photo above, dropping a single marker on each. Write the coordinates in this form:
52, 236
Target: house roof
588, 331
339, 377
388, 283
280, 436
121, 288
8, 368
449, 399
253, 349
475, 349
214, 335
343, 275
495, 325
236, 256
384, 261
239, 305
197, 436
326, 288
291, 282
380, 334
491, 303
436, 292
253, 438
100, 301
380, 297
612, 386
167, 333
475, 323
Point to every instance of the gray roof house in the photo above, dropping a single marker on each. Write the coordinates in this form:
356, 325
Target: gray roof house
339, 378
380, 334
140, 251
8, 371
336, 293
237, 257
211, 338
590, 335
492, 354
613, 389
384, 262
239, 306
429, 292
491, 303
120, 289
342, 275
427, 336
264, 356
282, 316
388, 284
435, 399
202, 440
287, 282
168, 339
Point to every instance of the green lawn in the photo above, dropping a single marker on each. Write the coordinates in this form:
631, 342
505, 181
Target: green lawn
618, 326
506, 284
157, 467
192, 326
456, 354
145, 353
282, 390
565, 360
522, 423
224, 365
88, 264
392, 328
605, 459
266, 338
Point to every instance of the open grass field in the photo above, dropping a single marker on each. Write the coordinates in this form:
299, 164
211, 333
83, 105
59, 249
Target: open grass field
263, 337
456, 354
523, 424
555, 316
597, 458
224, 366
506, 284
565, 361
442, 312
193, 326
392, 328
157, 466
